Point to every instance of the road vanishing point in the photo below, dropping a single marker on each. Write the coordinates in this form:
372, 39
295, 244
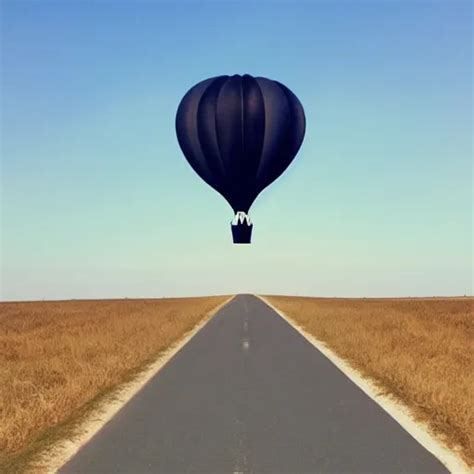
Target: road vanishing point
249, 394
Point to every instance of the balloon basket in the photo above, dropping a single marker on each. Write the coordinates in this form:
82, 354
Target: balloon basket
241, 229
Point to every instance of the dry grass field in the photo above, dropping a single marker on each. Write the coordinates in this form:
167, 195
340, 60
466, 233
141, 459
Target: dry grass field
418, 349
57, 357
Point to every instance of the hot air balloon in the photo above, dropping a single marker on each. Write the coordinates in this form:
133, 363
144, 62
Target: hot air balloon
239, 134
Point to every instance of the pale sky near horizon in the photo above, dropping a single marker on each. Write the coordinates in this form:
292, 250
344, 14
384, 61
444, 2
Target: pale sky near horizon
97, 200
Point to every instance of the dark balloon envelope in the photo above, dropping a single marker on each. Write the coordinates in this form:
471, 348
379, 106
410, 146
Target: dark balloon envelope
239, 134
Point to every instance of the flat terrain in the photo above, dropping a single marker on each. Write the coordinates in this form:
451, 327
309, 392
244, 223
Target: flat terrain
418, 349
249, 394
57, 357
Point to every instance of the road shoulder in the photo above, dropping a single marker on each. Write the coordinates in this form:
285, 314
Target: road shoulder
55, 456
398, 411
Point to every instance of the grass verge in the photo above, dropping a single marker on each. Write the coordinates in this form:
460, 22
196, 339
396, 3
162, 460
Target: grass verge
57, 359
416, 349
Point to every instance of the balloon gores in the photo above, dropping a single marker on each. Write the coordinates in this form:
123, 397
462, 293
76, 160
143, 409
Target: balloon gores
239, 134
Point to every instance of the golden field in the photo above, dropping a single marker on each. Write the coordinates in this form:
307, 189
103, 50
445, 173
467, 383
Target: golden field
57, 357
418, 349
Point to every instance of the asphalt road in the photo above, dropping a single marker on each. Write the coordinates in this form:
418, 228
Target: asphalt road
248, 394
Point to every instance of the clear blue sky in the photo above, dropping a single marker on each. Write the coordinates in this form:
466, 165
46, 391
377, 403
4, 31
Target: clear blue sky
98, 201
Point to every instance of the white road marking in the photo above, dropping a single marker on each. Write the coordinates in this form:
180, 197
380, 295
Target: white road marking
241, 448
398, 411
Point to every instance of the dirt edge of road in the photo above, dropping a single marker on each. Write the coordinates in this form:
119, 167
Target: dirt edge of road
54, 457
399, 412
